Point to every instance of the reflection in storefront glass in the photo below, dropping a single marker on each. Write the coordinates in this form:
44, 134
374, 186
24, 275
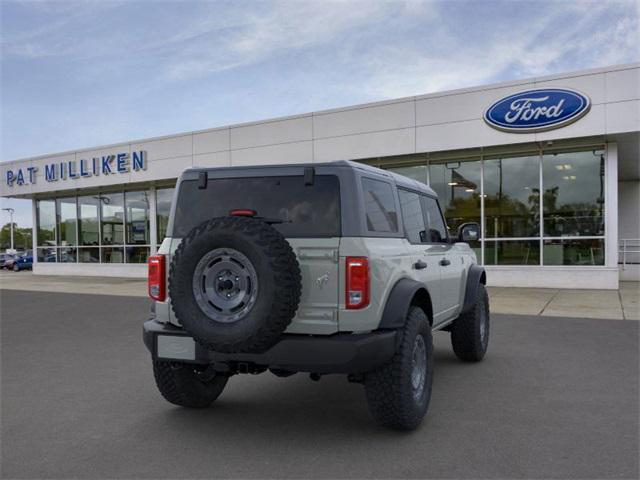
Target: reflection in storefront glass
512, 252
512, 197
67, 213
458, 187
67, 255
46, 255
88, 220
574, 252
573, 198
112, 255
137, 217
46, 218
89, 255
417, 172
112, 218
137, 254
163, 208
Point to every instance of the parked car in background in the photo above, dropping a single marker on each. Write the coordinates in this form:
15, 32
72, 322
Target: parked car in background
7, 261
23, 262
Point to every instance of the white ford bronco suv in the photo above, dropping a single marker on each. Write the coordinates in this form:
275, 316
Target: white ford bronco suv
323, 268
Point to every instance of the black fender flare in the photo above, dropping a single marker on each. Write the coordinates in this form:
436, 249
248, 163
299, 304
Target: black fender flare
403, 294
475, 277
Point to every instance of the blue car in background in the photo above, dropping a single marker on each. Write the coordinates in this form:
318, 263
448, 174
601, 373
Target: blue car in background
23, 262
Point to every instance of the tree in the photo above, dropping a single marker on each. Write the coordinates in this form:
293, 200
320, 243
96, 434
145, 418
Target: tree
21, 237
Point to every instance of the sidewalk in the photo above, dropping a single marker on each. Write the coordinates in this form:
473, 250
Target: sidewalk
623, 304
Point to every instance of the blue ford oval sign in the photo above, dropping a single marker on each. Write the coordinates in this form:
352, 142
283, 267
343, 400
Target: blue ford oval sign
537, 110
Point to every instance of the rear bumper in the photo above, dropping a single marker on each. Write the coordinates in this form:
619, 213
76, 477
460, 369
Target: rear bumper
339, 353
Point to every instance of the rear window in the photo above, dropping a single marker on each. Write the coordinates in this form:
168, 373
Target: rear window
306, 210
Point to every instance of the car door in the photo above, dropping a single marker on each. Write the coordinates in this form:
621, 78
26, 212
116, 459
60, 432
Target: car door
442, 252
425, 267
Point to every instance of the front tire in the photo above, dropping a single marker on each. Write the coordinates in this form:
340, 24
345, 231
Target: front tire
398, 394
16, 268
183, 384
470, 331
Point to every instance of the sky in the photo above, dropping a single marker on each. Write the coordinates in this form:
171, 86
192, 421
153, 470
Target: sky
87, 73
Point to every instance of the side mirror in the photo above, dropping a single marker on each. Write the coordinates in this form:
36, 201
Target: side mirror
469, 232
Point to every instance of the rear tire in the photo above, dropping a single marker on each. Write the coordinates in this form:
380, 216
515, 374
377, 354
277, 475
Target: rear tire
470, 331
398, 394
181, 384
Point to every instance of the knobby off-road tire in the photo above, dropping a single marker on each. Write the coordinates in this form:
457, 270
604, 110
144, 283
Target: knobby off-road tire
470, 331
398, 394
254, 266
181, 384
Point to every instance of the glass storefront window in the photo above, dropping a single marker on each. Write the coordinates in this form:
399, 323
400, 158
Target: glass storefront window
88, 226
137, 218
574, 252
46, 255
512, 252
112, 218
573, 198
137, 254
512, 197
163, 208
112, 255
67, 255
67, 221
417, 172
46, 218
89, 255
458, 187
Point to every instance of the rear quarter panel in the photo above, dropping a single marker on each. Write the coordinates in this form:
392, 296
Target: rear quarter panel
389, 260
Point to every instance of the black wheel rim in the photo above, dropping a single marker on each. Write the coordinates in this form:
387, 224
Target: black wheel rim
225, 285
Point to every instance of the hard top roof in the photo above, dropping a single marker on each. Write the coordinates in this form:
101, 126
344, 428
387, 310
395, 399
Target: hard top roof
400, 180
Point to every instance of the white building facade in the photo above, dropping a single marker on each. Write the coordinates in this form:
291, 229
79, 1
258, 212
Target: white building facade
550, 167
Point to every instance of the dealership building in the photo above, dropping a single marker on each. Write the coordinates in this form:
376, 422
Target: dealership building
549, 166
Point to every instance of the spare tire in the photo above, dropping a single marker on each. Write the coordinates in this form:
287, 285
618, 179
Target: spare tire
235, 284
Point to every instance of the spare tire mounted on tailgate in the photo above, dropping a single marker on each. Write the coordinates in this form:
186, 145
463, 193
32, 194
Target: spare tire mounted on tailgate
235, 284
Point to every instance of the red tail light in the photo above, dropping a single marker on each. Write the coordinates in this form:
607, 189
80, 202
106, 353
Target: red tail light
157, 278
357, 284
242, 212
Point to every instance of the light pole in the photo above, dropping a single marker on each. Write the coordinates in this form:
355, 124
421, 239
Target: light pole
11, 211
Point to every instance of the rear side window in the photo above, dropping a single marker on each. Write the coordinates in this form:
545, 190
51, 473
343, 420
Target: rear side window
305, 210
412, 217
433, 218
380, 206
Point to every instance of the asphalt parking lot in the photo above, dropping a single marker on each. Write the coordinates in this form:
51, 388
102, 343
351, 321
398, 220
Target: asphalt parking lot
555, 398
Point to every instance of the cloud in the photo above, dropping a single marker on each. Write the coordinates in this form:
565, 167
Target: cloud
526, 47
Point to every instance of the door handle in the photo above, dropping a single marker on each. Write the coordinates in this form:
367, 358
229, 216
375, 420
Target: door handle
419, 265
444, 262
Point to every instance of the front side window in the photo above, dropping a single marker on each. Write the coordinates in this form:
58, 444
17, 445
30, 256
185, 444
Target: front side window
437, 230
412, 216
380, 206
